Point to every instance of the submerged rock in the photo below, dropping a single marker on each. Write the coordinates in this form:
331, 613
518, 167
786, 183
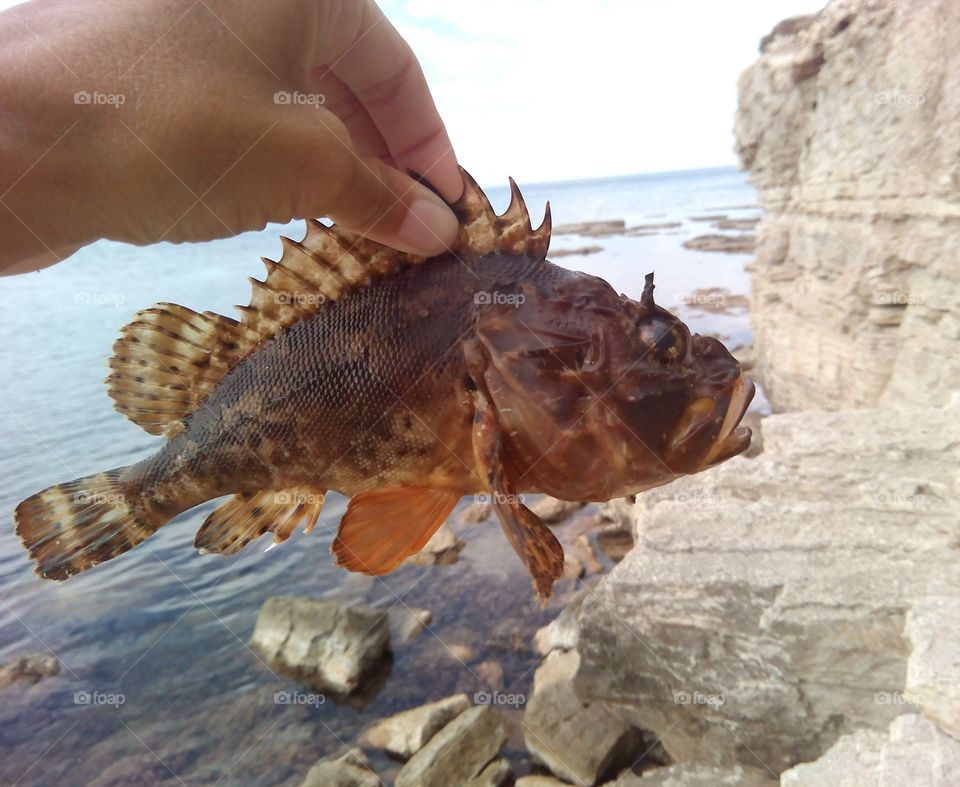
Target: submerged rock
411, 622
329, 645
731, 244
605, 227
350, 769
778, 602
404, 734
31, 668
459, 751
582, 251
476, 512
578, 742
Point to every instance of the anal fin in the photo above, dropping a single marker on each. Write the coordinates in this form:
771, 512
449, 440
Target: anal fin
384, 527
248, 515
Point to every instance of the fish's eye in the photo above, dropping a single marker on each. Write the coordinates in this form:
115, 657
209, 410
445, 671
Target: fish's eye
664, 339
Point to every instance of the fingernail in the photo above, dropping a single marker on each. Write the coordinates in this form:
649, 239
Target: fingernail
429, 227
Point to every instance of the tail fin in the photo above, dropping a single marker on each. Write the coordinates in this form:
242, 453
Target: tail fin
71, 527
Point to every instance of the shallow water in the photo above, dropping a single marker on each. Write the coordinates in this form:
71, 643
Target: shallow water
166, 628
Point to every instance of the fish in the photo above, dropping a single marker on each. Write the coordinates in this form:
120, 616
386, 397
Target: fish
404, 383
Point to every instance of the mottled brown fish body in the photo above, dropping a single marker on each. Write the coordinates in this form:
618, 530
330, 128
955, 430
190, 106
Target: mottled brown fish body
404, 383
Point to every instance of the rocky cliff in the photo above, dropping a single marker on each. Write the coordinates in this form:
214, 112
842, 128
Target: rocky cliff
793, 611
849, 123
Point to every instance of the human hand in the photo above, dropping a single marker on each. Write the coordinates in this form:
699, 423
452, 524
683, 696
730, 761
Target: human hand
189, 120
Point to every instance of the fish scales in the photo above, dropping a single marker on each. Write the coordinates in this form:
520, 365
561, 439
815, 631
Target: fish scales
403, 383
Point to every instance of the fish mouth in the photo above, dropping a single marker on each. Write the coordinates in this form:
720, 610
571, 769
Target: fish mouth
733, 438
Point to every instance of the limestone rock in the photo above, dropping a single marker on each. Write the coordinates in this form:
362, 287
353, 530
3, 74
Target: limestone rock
539, 780
31, 668
350, 769
856, 289
562, 632
699, 774
578, 742
325, 643
915, 752
404, 734
933, 671
776, 603
459, 751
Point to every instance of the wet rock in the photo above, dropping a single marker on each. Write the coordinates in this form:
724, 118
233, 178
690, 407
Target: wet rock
730, 244
404, 734
462, 653
329, 645
350, 769
539, 780
31, 668
776, 603
476, 512
663, 225
459, 751
553, 511
495, 774
490, 672
411, 622
442, 549
607, 227
578, 742
710, 217
508, 636
582, 251
914, 752
699, 774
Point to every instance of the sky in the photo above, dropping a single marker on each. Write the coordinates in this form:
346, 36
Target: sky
552, 90
555, 90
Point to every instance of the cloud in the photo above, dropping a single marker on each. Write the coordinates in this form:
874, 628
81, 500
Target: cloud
563, 90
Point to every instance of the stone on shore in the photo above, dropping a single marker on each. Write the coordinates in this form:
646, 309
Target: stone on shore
591, 228
405, 733
329, 645
581, 743
914, 752
581, 251
495, 774
779, 602
459, 751
350, 769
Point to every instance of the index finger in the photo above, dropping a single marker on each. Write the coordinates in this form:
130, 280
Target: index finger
385, 75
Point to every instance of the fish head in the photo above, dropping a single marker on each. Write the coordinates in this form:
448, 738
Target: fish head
600, 396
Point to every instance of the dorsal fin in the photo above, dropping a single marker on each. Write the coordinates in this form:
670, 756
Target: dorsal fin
169, 358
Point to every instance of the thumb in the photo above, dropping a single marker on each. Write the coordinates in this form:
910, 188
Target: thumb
362, 193
384, 204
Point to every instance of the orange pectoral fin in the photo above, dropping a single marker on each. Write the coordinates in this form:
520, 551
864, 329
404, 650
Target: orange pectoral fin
384, 527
